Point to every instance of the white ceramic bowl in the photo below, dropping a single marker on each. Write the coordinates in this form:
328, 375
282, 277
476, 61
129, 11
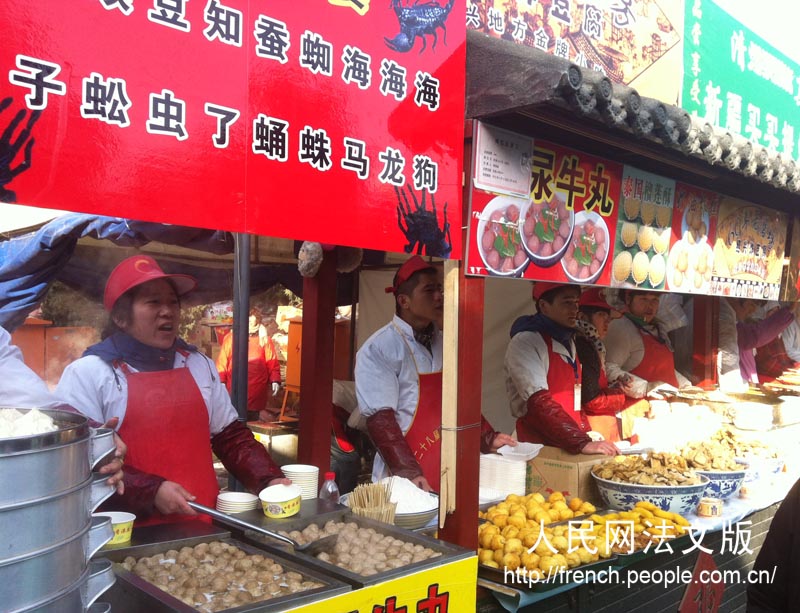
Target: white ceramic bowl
681, 499
580, 219
549, 260
497, 204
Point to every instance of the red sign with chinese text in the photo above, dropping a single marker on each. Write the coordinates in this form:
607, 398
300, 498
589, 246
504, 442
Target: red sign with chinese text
703, 594
563, 231
339, 121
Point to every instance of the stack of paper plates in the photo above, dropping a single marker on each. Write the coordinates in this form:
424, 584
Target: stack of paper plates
236, 502
305, 477
501, 474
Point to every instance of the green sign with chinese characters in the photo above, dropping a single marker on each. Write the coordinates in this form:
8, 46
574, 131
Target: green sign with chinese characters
735, 80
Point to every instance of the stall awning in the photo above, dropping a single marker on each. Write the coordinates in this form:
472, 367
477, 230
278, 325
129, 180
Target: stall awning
529, 91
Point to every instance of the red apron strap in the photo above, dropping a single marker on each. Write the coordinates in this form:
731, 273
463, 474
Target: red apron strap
424, 436
167, 433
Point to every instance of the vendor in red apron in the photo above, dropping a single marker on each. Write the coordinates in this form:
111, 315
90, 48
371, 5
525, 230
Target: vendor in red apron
173, 409
638, 352
399, 382
543, 374
601, 402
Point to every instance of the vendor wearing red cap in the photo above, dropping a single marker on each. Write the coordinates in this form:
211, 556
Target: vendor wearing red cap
638, 350
399, 379
173, 409
600, 402
543, 373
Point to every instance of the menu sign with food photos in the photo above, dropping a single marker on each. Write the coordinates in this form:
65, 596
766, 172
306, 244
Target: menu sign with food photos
691, 256
644, 230
561, 231
748, 251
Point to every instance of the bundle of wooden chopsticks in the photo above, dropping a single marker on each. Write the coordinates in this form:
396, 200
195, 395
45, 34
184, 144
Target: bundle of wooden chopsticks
373, 500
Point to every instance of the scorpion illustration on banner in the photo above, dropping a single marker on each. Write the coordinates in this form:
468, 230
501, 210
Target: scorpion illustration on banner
9, 148
419, 19
421, 227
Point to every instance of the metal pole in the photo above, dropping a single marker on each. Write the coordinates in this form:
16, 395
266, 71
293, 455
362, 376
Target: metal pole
241, 313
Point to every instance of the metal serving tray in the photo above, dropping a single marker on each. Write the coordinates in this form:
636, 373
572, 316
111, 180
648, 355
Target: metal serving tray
131, 594
448, 551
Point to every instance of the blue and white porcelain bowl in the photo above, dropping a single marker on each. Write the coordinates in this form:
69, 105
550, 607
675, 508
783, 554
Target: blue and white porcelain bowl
723, 484
681, 499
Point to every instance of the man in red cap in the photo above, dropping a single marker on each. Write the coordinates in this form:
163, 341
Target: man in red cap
399, 379
173, 409
543, 373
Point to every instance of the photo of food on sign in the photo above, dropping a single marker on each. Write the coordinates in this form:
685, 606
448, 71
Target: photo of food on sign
644, 231
561, 232
691, 258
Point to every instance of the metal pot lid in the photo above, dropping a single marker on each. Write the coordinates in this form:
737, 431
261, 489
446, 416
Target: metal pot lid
71, 427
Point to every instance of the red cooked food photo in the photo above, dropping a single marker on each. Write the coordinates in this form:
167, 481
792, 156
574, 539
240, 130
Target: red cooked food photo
500, 244
546, 230
587, 250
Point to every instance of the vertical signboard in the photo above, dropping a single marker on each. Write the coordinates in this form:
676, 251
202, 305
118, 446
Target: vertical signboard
336, 121
735, 80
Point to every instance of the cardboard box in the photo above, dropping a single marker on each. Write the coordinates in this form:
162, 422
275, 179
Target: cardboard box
555, 470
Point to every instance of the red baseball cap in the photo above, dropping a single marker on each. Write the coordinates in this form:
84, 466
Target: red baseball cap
542, 287
136, 270
595, 297
409, 267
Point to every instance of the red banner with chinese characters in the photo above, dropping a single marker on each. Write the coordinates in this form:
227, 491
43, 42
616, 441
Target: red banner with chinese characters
337, 121
563, 231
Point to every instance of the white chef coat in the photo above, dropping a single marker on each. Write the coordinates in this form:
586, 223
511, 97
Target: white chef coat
526, 364
624, 352
791, 340
20, 387
89, 383
386, 375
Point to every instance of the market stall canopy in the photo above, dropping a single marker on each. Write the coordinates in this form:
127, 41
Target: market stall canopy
527, 90
80, 251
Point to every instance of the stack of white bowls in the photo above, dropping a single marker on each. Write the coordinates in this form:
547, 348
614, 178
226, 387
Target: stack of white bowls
236, 502
304, 476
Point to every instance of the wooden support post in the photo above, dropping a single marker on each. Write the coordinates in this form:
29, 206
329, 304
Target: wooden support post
316, 366
706, 339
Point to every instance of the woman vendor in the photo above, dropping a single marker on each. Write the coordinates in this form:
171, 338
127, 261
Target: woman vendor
638, 351
543, 373
173, 409
600, 402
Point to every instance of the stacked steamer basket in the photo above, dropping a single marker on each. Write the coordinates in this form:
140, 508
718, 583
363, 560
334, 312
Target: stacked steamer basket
304, 476
236, 502
47, 533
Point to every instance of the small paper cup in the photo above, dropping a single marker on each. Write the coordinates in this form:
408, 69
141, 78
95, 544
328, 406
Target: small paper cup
280, 501
122, 523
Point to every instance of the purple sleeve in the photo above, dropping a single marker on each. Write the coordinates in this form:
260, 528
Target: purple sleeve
757, 334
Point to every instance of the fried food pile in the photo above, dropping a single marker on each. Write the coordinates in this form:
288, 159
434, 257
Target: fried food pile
661, 469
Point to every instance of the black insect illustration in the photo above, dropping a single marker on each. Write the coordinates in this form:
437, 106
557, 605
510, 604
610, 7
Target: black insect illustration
420, 226
10, 147
419, 19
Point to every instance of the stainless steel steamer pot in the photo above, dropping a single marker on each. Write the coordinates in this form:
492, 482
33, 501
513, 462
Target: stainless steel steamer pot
40, 465
47, 534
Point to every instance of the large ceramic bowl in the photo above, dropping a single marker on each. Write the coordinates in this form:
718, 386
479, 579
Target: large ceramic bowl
681, 499
723, 484
540, 254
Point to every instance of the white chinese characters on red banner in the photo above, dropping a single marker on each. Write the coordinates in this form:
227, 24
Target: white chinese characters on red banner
340, 123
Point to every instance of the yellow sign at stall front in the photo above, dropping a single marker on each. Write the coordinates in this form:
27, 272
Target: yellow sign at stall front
449, 588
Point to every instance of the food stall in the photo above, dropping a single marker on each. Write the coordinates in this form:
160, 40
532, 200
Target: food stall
675, 205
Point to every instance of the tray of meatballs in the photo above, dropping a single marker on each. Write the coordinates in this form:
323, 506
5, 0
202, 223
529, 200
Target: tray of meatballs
366, 551
216, 573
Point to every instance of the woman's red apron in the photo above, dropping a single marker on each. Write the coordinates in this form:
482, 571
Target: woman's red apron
167, 434
563, 379
607, 425
658, 363
424, 436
